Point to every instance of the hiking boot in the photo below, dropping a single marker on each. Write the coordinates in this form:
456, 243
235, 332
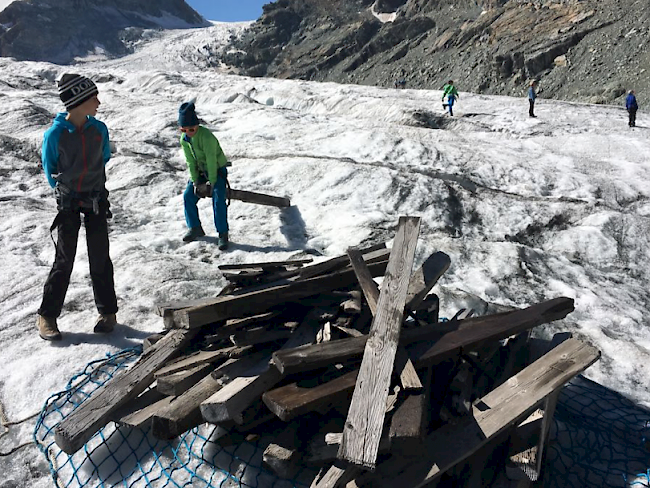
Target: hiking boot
223, 241
105, 323
193, 234
47, 328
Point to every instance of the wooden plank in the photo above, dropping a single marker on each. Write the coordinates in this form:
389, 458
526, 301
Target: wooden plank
492, 327
177, 383
184, 411
409, 423
368, 285
229, 402
362, 431
450, 338
338, 475
403, 366
199, 358
340, 262
267, 296
138, 412
424, 279
78, 427
258, 198
259, 335
293, 400
282, 455
262, 265
493, 414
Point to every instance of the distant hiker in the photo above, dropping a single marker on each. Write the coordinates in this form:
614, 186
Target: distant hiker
632, 107
449, 91
208, 175
400, 83
75, 151
532, 95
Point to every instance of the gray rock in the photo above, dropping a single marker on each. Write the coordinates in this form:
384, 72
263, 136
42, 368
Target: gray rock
486, 46
60, 30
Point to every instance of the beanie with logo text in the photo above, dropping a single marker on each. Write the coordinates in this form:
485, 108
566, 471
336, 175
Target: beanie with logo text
75, 90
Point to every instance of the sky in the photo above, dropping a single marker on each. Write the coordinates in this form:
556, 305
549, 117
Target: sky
527, 209
228, 10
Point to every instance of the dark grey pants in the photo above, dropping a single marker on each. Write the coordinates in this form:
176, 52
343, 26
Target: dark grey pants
632, 121
68, 223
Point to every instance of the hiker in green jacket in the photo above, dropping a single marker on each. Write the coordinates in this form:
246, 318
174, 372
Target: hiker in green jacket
449, 91
208, 175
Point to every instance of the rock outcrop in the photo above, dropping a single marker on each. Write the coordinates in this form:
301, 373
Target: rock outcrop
60, 30
586, 50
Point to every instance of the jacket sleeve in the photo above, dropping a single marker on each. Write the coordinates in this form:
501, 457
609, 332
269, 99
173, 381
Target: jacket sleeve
106, 145
191, 160
50, 156
215, 158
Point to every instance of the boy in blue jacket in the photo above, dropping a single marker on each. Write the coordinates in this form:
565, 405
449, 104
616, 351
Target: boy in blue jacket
632, 107
75, 151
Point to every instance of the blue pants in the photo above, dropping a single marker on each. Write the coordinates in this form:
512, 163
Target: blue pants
219, 207
450, 104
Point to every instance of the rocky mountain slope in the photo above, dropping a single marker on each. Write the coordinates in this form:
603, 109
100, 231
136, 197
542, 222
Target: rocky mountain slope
581, 50
60, 30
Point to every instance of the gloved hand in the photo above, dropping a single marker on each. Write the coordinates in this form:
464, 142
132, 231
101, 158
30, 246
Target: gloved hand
203, 190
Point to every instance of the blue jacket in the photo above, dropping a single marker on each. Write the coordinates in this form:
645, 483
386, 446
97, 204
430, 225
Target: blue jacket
531, 93
76, 158
630, 102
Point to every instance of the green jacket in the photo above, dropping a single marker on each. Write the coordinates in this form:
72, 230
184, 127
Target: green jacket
203, 155
449, 90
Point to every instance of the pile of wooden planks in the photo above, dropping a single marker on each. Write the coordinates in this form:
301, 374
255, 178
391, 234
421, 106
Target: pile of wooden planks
366, 382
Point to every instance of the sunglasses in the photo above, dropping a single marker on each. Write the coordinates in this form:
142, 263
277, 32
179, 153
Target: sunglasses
188, 129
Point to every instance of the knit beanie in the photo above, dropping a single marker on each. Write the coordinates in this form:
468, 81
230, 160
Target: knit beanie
75, 90
187, 115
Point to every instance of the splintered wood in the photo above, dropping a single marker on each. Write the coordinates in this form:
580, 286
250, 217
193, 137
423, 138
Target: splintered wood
372, 388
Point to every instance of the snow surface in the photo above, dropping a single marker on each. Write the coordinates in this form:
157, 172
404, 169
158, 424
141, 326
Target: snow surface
527, 209
4, 4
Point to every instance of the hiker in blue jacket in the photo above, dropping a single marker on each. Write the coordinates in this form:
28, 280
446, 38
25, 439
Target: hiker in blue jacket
632, 107
75, 150
532, 95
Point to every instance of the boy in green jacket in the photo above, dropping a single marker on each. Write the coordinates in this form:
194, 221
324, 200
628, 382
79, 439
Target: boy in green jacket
207, 165
449, 91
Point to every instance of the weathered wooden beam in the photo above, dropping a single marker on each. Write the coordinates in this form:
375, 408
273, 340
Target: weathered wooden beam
368, 285
493, 414
265, 297
363, 428
184, 411
263, 265
492, 327
258, 198
424, 279
293, 400
229, 402
282, 455
450, 337
369, 254
409, 423
259, 335
199, 357
404, 368
338, 475
177, 383
78, 427
138, 412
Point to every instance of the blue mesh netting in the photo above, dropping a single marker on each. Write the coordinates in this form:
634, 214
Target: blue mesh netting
598, 439
133, 458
